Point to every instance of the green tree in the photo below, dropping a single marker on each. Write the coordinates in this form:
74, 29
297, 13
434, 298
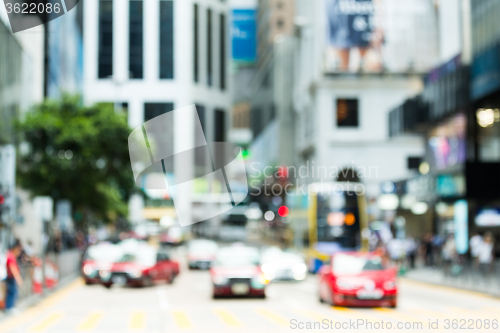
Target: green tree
78, 153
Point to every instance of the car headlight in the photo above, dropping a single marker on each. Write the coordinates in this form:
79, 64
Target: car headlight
345, 284
135, 273
220, 280
104, 274
390, 285
299, 272
269, 270
300, 269
88, 270
260, 281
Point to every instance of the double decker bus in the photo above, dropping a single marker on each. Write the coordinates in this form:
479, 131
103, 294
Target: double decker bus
328, 218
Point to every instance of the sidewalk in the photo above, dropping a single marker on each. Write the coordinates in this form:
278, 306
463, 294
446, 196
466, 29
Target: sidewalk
470, 280
35, 300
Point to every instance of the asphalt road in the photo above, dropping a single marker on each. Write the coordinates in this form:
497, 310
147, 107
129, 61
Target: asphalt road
187, 306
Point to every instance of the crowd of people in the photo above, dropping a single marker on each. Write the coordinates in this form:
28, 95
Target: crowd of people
437, 251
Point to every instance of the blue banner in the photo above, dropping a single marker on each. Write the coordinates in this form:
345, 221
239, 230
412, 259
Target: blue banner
243, 34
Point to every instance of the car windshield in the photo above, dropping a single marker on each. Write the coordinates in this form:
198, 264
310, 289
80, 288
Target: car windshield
231, 258
103, 253
351, 264
202, 247
144, 256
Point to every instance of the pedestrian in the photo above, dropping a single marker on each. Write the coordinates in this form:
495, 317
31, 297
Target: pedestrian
485, 254
448, 254
428, 250
475, 243
14, 279
411, 250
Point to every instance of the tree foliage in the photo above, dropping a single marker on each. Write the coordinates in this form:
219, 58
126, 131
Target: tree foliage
77, 153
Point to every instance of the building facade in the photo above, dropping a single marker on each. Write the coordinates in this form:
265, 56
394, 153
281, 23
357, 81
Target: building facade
150, 57
345, 87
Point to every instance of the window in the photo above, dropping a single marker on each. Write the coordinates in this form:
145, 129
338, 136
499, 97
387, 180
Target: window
220, 126
166, 39
196, 40
209, 47
201, 153
414, 162
222, 51
200, 109
105, 47
152, 110
347, 112
135, 55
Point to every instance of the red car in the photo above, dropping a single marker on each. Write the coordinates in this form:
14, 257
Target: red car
358, 279
236, 272
96, 258
145, 267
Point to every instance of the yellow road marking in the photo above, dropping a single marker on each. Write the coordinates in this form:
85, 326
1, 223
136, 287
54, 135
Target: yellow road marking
47, 322
352, 314
137, 320
398, 315
474, 313
90, 322
273, 316
493, 311
181, 319
436, 314
16, 321
227, 318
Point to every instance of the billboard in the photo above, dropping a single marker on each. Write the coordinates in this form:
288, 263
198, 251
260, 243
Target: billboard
243, 34
380, 36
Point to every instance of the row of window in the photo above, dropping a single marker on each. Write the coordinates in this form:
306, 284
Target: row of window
136, 39
209, 34
152, 110
166, 42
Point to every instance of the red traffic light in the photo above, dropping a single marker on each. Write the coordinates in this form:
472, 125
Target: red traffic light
2, 199
283, 211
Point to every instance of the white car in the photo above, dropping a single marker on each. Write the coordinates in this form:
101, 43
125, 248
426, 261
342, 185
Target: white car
283, 265
201, 253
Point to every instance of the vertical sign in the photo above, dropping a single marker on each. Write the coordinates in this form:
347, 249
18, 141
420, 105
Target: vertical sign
243, 35
461, 226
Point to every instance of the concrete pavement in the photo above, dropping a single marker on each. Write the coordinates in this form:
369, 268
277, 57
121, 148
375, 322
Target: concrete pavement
187, 306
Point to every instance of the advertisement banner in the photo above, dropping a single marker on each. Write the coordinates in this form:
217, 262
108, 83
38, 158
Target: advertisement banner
380, 36
243, 35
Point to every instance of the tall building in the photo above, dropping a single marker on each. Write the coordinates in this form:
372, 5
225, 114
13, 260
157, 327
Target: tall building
443, 195
243, 64
150, 57
357, 60
21, 85
64, 62
272, 120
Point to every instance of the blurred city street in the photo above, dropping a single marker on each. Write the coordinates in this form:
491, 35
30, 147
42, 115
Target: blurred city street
249, 166
186, 306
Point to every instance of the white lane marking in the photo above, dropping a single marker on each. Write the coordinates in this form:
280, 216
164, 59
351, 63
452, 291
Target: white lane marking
293, 303
162, 299
271, 291
306, 286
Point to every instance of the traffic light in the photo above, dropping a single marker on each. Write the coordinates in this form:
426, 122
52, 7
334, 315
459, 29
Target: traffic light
283, 211
245, 153
2, 207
